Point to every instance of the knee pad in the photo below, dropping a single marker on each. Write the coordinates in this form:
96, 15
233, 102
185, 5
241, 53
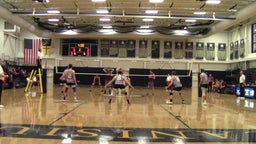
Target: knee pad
66, 89
74, 89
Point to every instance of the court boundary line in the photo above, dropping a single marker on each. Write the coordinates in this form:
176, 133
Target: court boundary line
64, 114
176, 117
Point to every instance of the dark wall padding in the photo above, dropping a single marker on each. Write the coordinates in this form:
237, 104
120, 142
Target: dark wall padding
217, 74
230, 76
28, 68
161, 79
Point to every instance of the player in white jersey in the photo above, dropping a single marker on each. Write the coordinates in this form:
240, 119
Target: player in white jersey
2, 77
173, 84
204, 85
71, 81
242, 84
120, 82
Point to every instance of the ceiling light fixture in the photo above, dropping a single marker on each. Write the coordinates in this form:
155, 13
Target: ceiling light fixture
181, 32
144, 31
53, 19
106, 30
213, 1
156, 1
200, 13
190, 20
69, 32
144, 27
104, 19
53, 12
102, 11
107, 27
98, 0
151, 11
232, 10
148, 19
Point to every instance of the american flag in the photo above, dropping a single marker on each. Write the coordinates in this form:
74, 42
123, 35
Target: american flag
31, 47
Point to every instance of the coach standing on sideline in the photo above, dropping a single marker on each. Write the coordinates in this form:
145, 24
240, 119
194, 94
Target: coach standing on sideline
2, 76
242, 84
39, 58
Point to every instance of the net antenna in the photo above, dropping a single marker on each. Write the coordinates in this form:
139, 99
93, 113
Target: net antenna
189, 67
57, 63
169, 65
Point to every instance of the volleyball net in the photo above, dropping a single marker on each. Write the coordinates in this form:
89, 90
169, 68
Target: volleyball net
132, 72
138, 76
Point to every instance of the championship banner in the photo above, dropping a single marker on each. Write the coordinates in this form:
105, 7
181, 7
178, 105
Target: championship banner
231, 57
113, 48
131, 48
178, 50
242, 48
189, 50
167, 49
104, 48
221, 51
122, 48
236, 46
46, 45
155, 49
210, 53
143, 45
199, 50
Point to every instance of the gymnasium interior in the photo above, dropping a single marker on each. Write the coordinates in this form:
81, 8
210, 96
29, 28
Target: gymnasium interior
136, 37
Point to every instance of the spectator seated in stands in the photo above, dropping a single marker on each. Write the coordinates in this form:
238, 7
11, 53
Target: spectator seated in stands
222, 87
216, 85
7, 83
19, 77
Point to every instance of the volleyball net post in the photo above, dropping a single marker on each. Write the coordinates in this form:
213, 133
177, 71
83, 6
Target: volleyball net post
30, 80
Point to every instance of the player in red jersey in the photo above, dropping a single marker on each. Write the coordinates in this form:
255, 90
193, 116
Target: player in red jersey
108, 77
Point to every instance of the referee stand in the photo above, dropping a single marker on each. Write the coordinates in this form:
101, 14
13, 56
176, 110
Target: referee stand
33, 74
41, 74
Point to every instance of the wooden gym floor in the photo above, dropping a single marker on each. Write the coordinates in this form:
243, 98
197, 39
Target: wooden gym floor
35, 118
